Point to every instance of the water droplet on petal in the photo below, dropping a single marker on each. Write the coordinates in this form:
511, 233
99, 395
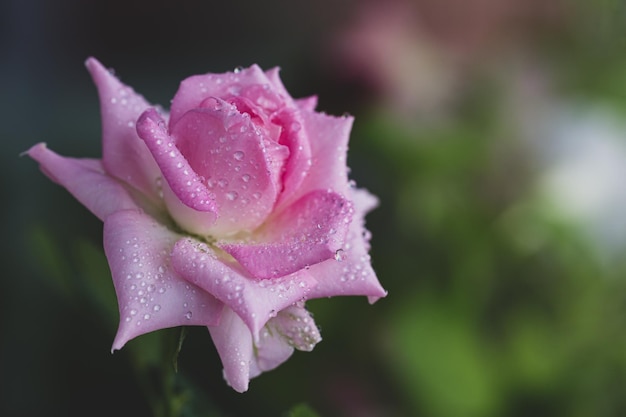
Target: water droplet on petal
188, 315
340, 255
238, 155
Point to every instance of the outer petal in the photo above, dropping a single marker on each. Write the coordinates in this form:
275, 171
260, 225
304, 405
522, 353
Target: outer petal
194, 90
240, 163
150, 294
309, 231
124, 155
254, 301
187, 186
233, 341
292, 328
307, 103
328, 137
242, 359
86, 180
296, 326
350, 273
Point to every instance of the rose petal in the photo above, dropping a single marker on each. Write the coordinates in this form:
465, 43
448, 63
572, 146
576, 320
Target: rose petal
240, 164
296, 326
185, 183
85, 179
309, 231
292, 328
350, 273
270, 351
307, 103
150, 294
254, 301
243, 360
299, 163
273, 75
233, 342
124, 155
194, 90
328, 137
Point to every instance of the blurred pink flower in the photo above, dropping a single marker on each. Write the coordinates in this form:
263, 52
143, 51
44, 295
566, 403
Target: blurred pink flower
229, 212
415, 55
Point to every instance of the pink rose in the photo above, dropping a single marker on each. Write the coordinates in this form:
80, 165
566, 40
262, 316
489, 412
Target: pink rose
229, 212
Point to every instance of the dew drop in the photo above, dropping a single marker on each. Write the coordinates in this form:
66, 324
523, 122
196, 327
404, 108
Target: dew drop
188, 315
238, 155
232, 195
156, 307
340, 255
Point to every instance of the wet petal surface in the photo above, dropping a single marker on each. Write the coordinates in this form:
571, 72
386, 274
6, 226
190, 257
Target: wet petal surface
150, 294
254, 301
86, 180
124, 155
309, 231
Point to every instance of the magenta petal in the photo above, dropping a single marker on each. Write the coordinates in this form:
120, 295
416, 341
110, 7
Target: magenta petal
240, 164
150, 294
194, 90
124, 155
309, 231
86, 180
351, 272
254, 301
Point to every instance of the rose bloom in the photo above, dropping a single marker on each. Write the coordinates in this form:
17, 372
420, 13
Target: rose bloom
229, 212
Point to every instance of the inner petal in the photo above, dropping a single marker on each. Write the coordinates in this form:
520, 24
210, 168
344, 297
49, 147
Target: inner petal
237, 159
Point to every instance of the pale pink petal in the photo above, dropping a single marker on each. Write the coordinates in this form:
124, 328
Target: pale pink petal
86, 180
328, 137
309, 231
241, 166
254, 301
296, 326
185, 183
150, 294
273, 75
307, 103
243, 359
124, 155
233, 341
194, 90
350, 273
299, 163
270, 351
292, 328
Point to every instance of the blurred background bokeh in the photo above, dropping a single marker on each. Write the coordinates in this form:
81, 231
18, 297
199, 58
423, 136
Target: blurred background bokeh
493, 132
